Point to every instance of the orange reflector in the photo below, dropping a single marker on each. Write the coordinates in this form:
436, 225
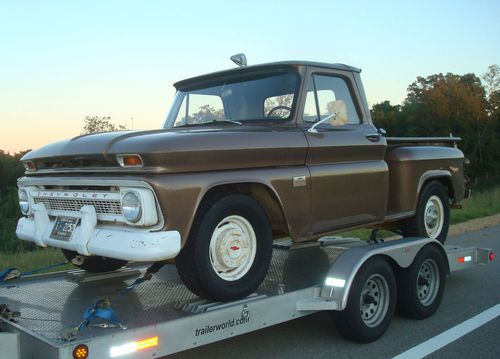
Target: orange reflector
81, 352
132, 161
133, 347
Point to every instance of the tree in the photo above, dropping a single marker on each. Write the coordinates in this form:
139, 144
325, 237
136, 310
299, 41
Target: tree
389, 118
96, 124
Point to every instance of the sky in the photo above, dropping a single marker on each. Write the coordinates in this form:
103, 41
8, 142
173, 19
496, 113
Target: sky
63, 60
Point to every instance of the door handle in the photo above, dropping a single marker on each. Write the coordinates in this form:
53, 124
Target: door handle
373, 137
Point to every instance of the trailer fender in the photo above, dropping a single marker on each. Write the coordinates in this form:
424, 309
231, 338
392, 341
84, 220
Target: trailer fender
342, 273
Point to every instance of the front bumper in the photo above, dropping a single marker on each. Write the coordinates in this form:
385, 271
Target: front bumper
107, 241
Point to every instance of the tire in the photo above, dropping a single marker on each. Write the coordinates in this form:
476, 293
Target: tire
432, 218
219, 267
95, 264
421, 286
371, 303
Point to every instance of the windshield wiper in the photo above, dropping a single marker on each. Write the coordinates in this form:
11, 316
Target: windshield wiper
210, 123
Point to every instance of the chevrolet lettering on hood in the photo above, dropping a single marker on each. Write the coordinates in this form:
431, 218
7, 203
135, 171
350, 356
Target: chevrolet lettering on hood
245, 156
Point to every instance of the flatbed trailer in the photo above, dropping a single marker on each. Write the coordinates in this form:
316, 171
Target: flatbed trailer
163, 317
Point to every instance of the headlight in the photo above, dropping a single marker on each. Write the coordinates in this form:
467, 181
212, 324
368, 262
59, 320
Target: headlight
131, 207
24, 202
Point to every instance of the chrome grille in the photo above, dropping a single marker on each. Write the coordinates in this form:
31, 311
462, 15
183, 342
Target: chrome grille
110, 207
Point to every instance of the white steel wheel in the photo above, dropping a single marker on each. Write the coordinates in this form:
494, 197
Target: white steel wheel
233, 246
433, 216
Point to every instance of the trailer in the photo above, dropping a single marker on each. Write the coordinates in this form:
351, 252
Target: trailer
358, 282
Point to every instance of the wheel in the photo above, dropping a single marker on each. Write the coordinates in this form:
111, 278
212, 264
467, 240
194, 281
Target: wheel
94, 264
370, 304
421, 286
229, 249
432, 218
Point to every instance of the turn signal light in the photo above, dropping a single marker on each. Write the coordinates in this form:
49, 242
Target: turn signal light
29, 166
81, 352
133, 347
130, 160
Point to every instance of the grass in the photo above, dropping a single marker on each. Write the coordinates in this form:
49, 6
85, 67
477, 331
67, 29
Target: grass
481, 204
25, 261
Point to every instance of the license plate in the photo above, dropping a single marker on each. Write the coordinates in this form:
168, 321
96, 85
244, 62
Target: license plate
64, 228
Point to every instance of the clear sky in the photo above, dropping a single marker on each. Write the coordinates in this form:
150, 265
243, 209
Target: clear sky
63, 60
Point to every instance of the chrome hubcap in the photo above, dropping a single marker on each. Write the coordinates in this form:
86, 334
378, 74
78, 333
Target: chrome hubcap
374, 301
434, 217
232, 248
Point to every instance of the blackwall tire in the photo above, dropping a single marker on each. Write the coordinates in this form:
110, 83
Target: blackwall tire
95, 264
229, 249
371, 303
432, 217
421, 286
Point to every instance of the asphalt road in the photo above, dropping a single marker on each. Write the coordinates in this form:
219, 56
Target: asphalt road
467, 294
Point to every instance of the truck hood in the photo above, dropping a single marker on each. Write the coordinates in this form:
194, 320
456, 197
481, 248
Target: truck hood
176, 150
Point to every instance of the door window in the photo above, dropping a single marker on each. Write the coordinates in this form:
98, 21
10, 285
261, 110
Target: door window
325, 96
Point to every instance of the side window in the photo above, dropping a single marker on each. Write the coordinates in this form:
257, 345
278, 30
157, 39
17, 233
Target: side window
201, 108
327, 96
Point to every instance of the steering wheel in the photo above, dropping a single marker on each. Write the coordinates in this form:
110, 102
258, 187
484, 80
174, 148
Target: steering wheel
276, 108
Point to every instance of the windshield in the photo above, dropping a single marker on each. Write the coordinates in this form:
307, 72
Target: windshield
265, 98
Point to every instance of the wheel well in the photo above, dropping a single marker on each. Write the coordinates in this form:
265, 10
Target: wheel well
445, 181
259, 192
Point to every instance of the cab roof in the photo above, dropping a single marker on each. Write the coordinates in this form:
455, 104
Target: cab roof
247, 70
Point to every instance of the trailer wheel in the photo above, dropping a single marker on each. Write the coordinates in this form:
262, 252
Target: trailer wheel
95, 264
432, 218
421, 285
371, 303
229, 249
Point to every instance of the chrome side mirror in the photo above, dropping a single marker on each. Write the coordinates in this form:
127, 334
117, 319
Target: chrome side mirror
239, 59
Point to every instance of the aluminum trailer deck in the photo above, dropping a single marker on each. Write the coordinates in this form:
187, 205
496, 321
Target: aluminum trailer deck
166, 317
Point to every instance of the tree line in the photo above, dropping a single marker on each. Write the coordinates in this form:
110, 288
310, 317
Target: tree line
436, 105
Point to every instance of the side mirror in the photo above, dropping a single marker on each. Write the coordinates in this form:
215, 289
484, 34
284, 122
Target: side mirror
239, 59
337, 115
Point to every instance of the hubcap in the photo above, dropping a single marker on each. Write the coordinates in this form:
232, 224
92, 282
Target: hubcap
232, 248
374, 301
428, 282
434, 217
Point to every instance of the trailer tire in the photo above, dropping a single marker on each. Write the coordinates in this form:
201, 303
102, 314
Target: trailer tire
371, 303
421, 286
432, 217
95, 264
229, 249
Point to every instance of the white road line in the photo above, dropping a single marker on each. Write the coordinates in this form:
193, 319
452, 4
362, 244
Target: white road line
452, 334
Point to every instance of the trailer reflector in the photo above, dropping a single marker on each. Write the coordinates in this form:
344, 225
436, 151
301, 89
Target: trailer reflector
81, 352
335, 282
132, 347
492, 256
464, 259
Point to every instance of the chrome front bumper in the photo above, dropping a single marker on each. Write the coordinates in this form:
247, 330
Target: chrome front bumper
130, 244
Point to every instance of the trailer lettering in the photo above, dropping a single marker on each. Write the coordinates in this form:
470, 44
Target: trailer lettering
221, 326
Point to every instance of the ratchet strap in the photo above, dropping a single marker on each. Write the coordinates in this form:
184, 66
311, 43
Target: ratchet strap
14, 273
102, 308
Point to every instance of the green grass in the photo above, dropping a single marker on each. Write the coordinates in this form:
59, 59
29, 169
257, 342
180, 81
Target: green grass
26, 261
481, 204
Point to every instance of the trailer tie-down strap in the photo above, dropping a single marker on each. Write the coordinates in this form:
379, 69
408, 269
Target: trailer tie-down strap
102, 308
8, 314
14, 273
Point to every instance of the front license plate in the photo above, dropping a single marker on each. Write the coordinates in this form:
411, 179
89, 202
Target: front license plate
64, 228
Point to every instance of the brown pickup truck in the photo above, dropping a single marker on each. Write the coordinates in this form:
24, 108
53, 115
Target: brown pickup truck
245, 156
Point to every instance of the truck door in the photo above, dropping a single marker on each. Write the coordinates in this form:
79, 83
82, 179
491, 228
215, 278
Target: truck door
349, 177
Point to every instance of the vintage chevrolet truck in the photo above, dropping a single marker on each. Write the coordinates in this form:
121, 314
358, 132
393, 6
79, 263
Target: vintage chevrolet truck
245, 156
